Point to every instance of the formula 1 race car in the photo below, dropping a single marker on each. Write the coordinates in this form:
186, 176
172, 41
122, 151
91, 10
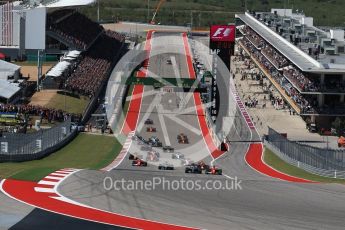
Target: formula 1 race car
182, 139
186, 162
135, 156
152, 156
177, 156
151, 129
214, 171
193, 168
139, 163
166, 166
148, 122
141, 140
154, 141
168, 149
181, 136
203, 166
169, 62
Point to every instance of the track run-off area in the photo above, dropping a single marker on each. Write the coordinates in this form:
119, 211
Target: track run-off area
268, 199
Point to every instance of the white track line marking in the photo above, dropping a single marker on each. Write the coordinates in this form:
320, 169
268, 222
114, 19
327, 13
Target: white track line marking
46, 182
54, 178
58, 174
163, 126
45, 190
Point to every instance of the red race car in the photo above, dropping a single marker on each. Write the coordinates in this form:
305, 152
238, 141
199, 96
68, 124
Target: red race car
139, 163
214, 171
151, 129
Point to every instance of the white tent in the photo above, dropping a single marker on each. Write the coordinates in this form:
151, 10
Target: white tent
58, 69
73, 54
7, 89
66, 3
8, 69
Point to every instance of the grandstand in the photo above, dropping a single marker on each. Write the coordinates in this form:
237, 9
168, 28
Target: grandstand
304, 63
85, 53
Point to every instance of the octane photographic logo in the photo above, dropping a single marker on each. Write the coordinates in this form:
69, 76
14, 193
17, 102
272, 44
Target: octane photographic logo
166, 116
168, 184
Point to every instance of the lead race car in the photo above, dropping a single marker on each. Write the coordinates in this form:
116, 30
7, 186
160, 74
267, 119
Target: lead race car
213, 170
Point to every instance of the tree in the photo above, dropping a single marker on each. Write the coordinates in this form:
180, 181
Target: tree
338, 125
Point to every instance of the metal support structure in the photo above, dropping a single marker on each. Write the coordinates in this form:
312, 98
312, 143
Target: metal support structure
39, 69
148, 10
98, 10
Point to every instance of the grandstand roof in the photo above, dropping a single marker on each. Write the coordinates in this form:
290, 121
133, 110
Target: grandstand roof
7, 89
7, 69
66, 3
294, 54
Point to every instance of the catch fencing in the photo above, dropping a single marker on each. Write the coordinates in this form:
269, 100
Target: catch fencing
32, 146
320, 161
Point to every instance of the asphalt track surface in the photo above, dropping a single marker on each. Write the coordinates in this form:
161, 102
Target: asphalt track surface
40, 219
263, 202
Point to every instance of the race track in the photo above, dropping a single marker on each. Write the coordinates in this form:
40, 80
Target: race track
258, 202
263, 202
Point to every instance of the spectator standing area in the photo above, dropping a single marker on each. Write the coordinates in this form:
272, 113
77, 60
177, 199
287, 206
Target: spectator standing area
255, 91
305, 64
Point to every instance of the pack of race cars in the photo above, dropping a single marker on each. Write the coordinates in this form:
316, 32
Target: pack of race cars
152, 155
194, 168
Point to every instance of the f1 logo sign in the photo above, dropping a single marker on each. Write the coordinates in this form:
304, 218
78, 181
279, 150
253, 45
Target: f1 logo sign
223, 33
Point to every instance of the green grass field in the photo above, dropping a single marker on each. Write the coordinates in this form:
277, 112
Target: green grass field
73, 104
273, 160
86, 151
207, 12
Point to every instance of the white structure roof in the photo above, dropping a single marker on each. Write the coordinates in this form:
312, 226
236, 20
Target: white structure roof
7, 69
294, 54
73, 54
58, 69
7, 89
66, 3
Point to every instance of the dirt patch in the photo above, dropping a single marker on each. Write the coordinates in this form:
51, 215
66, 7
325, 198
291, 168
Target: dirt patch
32, 71
43, 97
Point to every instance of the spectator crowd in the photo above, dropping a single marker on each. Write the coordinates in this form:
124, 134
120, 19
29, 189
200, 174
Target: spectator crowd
280, 62
93, 69
265, 64
49, 114
299, 80
74, 27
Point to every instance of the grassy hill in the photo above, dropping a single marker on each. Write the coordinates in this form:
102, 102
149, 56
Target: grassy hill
207, 12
